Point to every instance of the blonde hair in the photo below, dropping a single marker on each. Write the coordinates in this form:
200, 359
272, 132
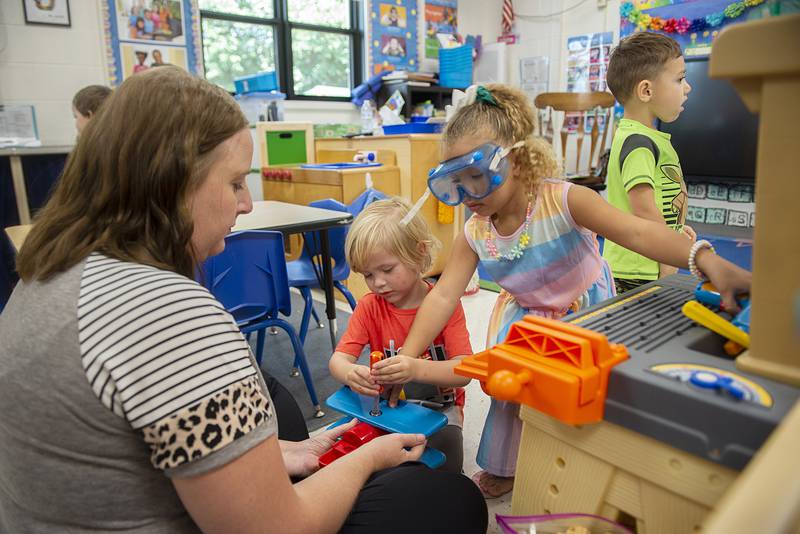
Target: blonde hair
126, 185
509, 119
378, 226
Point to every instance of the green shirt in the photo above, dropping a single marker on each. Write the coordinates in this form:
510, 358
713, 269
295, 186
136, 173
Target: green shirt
642, 155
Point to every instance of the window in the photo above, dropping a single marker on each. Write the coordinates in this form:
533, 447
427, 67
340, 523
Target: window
316, 46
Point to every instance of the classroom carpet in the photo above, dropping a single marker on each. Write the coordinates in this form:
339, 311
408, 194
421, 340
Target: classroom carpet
279, 356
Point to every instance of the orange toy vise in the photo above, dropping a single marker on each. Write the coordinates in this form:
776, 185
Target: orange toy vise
557, 368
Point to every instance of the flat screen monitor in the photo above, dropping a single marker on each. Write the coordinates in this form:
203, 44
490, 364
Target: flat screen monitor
715, 136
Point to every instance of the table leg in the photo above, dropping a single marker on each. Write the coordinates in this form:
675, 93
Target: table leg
20, 193
327, 279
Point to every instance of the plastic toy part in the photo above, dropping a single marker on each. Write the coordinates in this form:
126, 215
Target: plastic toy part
557, 368
375, 357
702, 315
350, 441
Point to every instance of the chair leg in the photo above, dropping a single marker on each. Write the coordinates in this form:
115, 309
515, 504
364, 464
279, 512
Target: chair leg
320, 324
349, 296
300, 358
308, 308
260, 346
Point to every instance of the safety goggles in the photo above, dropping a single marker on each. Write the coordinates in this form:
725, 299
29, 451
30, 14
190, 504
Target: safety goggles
475, 174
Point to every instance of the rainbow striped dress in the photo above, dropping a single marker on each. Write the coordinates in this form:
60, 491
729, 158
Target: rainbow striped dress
560, 271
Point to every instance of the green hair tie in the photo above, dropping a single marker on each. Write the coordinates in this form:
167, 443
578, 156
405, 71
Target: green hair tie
482, 94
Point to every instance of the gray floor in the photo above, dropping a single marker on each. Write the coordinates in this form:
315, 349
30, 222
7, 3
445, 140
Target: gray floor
477, 309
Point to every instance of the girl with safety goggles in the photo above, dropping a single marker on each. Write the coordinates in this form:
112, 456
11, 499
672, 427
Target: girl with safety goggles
536, 238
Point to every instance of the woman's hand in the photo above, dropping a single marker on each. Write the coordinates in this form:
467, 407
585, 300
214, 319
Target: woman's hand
398, 369
301, 458
730, 280
360, 381
393, 449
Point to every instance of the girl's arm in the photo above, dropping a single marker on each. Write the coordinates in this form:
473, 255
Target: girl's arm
656, 241
401, 369
441, 301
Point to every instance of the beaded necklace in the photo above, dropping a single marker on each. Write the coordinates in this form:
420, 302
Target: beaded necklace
517, 250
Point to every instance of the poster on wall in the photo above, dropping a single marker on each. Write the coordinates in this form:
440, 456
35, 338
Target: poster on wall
587, 63
393, 35
441, 22
142, 34
694, 24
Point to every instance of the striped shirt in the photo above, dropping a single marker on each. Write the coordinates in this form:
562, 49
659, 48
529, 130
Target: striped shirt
112, 375
153, 342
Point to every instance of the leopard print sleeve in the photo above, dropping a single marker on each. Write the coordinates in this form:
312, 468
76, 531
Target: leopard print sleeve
210, 425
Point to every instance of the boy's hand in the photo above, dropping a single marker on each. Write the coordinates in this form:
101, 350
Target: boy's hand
360, 381
398, 369
690, 233
729, 279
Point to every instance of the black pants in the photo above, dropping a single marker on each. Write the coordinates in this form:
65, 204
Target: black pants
410, 498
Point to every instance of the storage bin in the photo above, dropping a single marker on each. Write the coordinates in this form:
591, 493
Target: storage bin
455, 67
412, 128
261, 81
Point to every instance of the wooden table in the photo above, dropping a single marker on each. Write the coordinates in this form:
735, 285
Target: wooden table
294, 219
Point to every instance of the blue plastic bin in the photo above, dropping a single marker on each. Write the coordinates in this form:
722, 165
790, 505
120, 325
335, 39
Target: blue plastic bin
412, 128
261, 81
455, 67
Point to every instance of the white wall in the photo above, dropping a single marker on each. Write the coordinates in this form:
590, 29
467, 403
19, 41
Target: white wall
46, 65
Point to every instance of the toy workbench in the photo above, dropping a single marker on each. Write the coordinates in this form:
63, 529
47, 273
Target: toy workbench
680, 421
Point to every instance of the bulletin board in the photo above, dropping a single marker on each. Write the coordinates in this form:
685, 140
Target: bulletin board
587, 63
441, 17
393, 35
141, 34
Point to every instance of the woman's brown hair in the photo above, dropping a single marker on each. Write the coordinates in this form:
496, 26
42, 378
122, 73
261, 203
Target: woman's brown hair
125, 188
510, 118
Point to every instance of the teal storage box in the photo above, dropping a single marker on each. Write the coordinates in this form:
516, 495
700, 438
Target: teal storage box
455, 67
261, 81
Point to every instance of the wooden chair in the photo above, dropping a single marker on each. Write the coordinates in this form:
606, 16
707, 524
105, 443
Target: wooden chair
553, 108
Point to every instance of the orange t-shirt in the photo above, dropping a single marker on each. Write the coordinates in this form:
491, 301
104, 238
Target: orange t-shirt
376, 322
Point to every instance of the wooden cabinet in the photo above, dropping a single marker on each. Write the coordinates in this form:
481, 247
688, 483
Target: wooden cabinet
416, 154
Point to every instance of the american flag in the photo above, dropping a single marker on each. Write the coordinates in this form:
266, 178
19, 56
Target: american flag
508, 16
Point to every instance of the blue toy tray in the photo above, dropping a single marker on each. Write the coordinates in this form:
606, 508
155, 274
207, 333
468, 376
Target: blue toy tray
406, 418
338, 166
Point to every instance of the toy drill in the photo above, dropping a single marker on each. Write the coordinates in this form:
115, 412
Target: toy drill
736, 331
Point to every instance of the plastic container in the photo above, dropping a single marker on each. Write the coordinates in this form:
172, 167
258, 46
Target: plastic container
262, 106
455, 67
558, 523
261, 81
412, 128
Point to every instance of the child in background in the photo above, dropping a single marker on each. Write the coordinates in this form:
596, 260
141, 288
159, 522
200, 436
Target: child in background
86, 102
392, 247
536, 238
647, 75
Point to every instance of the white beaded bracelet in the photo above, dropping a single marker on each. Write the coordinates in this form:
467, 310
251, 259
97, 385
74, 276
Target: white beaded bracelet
702, 243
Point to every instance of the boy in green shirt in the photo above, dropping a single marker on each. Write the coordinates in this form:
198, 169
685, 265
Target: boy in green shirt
647, 75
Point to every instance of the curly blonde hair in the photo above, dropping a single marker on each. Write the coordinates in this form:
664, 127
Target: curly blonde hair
510, 119
379, 226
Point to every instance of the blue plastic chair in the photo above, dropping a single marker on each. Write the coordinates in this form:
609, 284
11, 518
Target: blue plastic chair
301, 270
249, 278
